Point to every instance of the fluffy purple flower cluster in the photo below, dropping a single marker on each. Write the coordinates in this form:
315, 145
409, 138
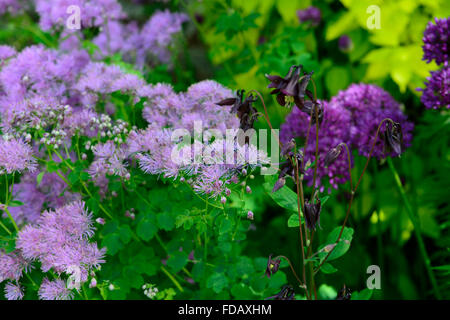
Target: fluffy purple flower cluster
352, 117
93, 13
54, 290
48, 193
151, 43
59, 241
154, 148
436, 41
16, 156
10, 6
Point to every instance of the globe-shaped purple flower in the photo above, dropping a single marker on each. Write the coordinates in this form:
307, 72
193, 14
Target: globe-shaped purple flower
436, 41
369, 105
436, 92
333, 130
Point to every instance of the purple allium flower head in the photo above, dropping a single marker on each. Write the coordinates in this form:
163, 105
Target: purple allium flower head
311, 14
54, 290
13, 291
369, 105
436, 39
436, 94
333, 130
345, 43
16, 156
60, 240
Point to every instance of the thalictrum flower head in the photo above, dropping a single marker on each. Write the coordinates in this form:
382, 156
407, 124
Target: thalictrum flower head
16, 156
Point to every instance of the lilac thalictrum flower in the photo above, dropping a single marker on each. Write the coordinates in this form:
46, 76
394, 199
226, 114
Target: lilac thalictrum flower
13, 291
54, 290
16, 156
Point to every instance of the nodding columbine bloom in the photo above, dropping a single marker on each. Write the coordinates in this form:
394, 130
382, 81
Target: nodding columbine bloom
436, 41
288, 170
272, 266
13, 291
246, 113
54, 290
291, 88
286, 293
312, 212
344, 294
286, 149
16, 156
332, 155
393, 138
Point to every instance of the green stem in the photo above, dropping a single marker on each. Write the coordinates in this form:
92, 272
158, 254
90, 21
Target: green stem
417, 230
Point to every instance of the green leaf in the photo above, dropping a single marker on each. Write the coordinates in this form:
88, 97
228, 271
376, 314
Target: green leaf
365, 294
165, 221
343, 245
285, 197
125, 233
327, 268
177, 260
146, 229
112, 243
217, 282
327, 292
293, 221
15, 203
39, 178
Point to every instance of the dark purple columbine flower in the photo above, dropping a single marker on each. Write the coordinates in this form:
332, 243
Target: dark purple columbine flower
310, 14
436, 93
345, 43
291, 88
246, 113
288, 170
393, 138
312, 212
332, 155
272, 266
436, 41
286, 293
344, 294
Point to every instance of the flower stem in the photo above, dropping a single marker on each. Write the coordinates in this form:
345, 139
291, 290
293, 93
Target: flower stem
417, 231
